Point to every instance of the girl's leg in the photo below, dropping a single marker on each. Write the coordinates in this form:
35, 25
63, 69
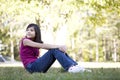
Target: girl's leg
71, 59
42, 64
63, 58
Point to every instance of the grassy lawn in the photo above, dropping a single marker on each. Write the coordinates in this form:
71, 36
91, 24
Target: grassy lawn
18, 73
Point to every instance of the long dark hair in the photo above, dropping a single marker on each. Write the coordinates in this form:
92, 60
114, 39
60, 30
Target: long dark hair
37, 32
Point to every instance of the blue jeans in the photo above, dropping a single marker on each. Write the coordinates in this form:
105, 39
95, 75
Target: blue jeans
43, 63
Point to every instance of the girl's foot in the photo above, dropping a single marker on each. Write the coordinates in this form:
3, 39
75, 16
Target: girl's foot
77, 68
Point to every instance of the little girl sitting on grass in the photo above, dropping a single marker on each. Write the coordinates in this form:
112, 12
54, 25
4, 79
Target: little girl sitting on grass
29, 52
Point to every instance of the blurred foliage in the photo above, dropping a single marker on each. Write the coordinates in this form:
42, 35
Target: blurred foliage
90, 26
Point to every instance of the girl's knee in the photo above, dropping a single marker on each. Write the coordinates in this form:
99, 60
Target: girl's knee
55, 50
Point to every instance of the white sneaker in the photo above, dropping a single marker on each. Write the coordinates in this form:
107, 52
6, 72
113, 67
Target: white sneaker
77, 68
84, 70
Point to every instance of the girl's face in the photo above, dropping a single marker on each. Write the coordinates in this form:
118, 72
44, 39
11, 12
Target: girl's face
30, 32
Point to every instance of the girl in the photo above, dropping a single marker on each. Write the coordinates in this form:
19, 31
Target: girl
29, 51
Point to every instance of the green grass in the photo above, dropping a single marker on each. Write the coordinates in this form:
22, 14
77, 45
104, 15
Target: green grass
19, 73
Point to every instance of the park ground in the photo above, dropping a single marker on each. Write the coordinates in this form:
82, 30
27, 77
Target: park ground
100, 71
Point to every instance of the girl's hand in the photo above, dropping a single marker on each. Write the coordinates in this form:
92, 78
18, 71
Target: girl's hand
63, 48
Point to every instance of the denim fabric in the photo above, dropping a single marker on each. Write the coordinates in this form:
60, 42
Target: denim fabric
43, 63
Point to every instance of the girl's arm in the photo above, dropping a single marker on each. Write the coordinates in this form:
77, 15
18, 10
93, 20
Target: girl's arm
27, 42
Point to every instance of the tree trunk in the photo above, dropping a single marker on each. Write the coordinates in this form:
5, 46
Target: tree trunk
104, 48
115, 51
97, 52
12, 45
90, 56
12, 50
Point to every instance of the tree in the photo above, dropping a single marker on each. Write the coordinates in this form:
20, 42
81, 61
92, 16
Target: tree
80, 19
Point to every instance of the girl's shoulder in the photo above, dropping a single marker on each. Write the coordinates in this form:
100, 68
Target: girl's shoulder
21, 41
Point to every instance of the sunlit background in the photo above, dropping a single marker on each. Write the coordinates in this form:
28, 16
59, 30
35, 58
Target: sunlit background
89, 28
